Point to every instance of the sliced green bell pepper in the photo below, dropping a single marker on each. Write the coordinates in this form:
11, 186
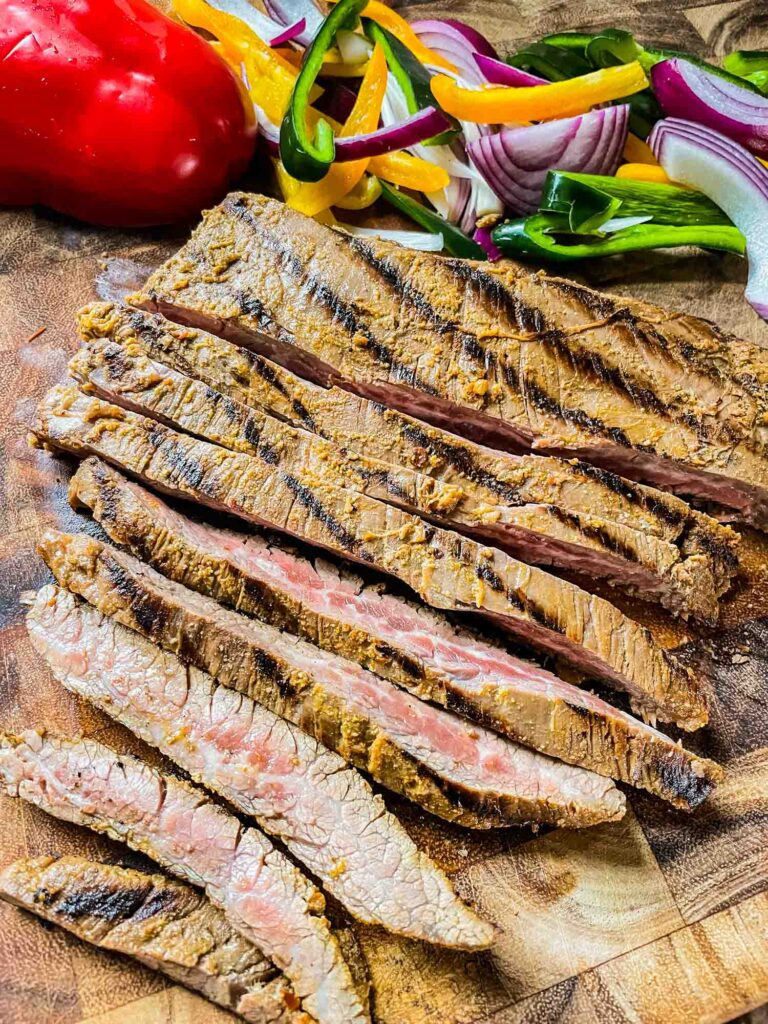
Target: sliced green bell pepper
454, 241
542, 237
411, 75
306, 158
555, 63
588, 200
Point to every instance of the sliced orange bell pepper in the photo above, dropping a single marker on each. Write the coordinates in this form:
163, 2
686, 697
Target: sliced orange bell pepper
638, 152
498, 104
313, 197
399, 27
645, 172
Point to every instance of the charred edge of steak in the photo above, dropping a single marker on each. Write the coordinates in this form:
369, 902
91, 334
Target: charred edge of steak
155, 622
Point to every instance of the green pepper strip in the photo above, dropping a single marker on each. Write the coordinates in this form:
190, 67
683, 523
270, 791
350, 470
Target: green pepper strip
588, 200
746, 62
555, 63
454, 241
305, 158
411, 75
532, 238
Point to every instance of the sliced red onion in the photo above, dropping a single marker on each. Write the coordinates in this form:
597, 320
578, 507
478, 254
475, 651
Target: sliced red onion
702, 158
268, 131
515, 161
496, 72
483, 237
289, 34
422, 125
288, 12
685, 90
457, 43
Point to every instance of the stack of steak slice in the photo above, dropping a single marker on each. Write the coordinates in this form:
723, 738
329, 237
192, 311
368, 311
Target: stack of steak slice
165, 925
449, 571
463, 773
262, 894
323, 811
543, 510
518, 360
395, 638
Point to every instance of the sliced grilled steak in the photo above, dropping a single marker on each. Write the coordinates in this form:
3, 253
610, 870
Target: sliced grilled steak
447, 570
466, 774
263, 895
510, 358
324, 812
394, 638
167, 926
543, 510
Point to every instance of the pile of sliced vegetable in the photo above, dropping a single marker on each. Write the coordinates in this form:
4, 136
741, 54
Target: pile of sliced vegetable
577, 146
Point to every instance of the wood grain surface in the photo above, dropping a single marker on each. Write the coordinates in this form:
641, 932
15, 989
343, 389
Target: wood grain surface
662, 917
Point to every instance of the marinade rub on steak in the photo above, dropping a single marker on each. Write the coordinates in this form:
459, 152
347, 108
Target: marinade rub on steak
508, 357
165, 925
399, 639
448, 570
543, 510
263, 895
324, 812
465, 773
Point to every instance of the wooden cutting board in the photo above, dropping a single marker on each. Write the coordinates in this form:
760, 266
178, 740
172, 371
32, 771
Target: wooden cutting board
661, 918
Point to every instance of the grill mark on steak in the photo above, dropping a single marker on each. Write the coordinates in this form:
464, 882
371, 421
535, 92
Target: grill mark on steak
315, 507
439, 565
385, 634
172, 822
190, 940
349, 317
543, 401
445, 765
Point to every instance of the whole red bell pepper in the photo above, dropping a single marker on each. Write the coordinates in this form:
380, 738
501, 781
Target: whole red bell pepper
113, 113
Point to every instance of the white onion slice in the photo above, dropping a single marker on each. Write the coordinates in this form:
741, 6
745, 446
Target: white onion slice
424, 241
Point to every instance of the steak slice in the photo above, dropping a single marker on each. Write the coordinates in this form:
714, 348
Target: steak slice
511, 358
324, 812
540, 509
263, 895
449, 571
167, 926
394, 638
466, 774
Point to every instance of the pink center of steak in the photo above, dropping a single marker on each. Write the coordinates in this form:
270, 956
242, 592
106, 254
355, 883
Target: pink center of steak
323, 810
479, 667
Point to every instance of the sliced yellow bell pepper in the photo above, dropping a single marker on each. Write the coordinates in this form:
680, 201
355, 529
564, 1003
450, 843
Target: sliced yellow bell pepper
270, 76
409, 172
498, 104
363, 195
638, 152
645, 172
313, 197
